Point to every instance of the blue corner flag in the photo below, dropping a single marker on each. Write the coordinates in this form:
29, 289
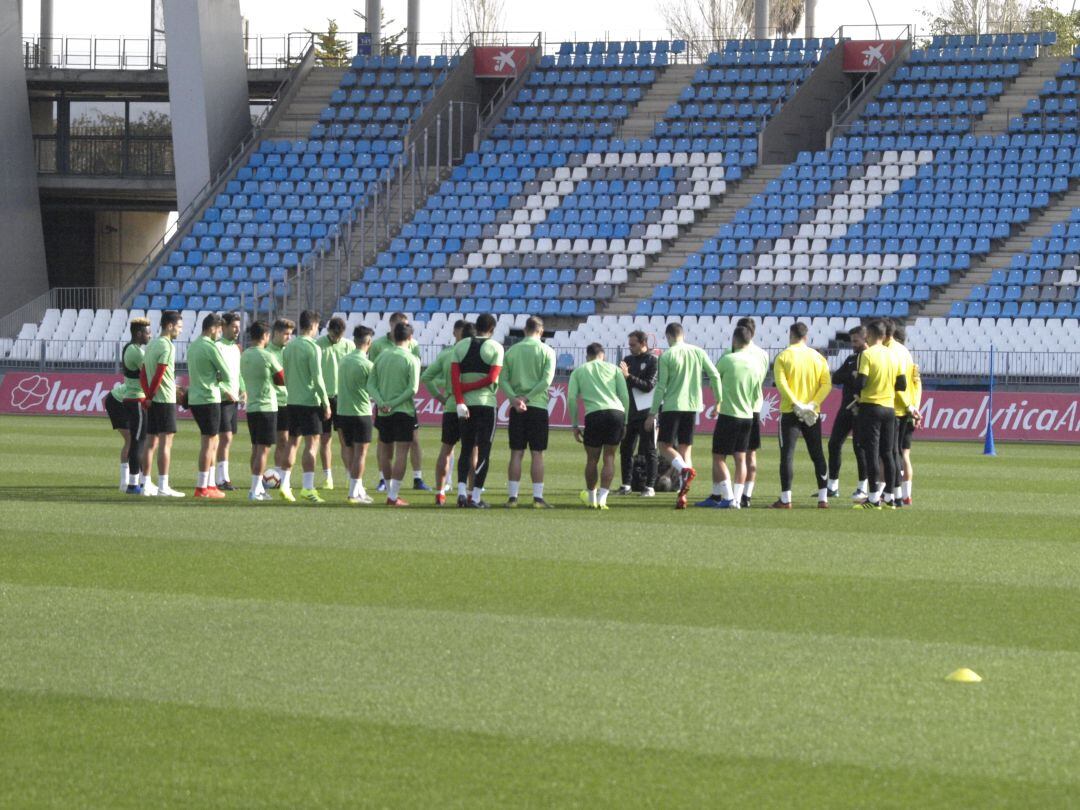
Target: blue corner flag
988, 445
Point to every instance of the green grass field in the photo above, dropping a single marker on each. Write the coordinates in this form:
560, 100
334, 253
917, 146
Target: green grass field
231, 654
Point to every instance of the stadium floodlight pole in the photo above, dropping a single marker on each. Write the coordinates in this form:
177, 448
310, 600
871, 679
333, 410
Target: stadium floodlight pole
412, 23
45, 38
808, 18
374, 25
761, 19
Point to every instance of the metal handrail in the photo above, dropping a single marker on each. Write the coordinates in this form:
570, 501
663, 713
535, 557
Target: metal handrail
186, 217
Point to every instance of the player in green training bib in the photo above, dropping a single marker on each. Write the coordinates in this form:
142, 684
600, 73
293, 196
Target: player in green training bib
158, 379
353, 420
416, 456
309, 404
601, 386
741, 377
124, 407
395, 381
528, 370
232, 394
208, 375
262, 373
334, 347
436, 378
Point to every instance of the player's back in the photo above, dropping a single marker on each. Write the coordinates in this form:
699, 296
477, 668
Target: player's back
204, 363
681, 368
597, 383
526, 363
257, 368
803, 370
354, 375
740, 383
302, 361
396, 375
879, 365
475, 357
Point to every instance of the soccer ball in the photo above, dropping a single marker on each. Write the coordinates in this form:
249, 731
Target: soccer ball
271, 479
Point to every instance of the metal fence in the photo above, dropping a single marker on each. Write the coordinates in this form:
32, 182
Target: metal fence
105, 155
57, 298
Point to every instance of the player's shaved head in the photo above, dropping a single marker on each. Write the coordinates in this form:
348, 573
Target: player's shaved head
309, 320
674, 330
593, 351
534, 326
900, 333
798, 331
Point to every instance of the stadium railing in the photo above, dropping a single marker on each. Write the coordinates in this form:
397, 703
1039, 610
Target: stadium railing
57, 298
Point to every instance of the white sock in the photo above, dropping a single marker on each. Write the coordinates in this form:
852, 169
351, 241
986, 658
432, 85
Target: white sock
513, 487
592, 497
874, 497
538, 490
462, 489
906, 488
823, 494
144, 479
864, 485
210, 481
417, 475
352, 488
163, 482
601, 496
256, 484
678, 464
834, 484
393, 487
737, 493
750, 489
898, 492
124, 475
887, 497
879, 488
725, 490
785, 496
286, 479
717, 489
309, 480
328, 475
477, 494
223, 472
201, 480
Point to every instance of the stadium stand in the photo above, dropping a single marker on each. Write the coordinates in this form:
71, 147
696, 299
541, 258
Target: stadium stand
290, 195
967, 157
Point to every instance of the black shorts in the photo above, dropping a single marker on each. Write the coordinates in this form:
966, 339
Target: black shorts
328, 424
396, 427
262, 427
117, 416
604, 428
529, 430
305, 420
755, 434
354, 429
731, 435
906, 431
283, 419
162, 418
208, 418
230, 417
451, 428
677, 427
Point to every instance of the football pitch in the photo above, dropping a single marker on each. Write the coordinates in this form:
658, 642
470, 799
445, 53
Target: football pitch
198, 654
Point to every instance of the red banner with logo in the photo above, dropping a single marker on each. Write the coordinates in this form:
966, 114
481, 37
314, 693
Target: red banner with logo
868, 55
498, 62
946, 414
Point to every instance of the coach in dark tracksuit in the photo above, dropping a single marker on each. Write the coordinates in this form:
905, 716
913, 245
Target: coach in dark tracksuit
845, 418
640, 370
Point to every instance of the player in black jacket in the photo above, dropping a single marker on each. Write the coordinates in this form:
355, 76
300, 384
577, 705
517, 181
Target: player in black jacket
640, 370
845, 418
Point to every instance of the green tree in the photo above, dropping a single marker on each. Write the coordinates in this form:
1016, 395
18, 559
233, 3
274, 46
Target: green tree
785, 16
1044, 17
330, 49
390, 44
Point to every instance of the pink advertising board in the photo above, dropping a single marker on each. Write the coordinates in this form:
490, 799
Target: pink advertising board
946, 414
